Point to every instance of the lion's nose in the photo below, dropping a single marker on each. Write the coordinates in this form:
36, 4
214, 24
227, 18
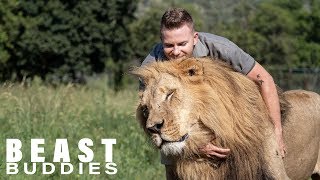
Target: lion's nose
155, 128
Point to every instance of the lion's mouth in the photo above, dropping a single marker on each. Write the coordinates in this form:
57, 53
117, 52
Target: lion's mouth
173, 147
183, 138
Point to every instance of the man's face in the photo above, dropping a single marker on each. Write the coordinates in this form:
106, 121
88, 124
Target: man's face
178, 42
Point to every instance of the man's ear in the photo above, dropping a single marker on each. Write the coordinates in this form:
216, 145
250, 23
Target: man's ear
195, 38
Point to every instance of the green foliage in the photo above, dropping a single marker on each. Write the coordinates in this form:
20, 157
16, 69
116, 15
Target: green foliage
279, 32
145, 32
62, 41
10, 21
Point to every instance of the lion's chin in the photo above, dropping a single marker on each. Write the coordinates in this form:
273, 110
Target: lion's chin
170, 147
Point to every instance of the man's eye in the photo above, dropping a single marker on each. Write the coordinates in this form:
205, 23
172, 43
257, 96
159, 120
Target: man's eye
183, 44
168, 45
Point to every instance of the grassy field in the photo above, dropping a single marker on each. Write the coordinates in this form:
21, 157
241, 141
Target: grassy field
75, 112
71, 112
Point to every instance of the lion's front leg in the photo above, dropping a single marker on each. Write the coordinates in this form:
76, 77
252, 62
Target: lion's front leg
274, 158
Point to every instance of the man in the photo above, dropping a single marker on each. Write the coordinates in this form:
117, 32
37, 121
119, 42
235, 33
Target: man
179, 39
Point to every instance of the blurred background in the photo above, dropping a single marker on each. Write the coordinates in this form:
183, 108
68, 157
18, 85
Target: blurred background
64, 63
60, 41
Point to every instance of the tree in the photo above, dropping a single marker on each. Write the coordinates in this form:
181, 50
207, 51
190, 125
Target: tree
11, 21
63, 41
279, 32
309, 31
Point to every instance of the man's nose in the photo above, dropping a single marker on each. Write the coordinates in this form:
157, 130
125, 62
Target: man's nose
176, 50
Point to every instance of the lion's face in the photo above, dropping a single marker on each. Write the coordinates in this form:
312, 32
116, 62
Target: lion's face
167, 114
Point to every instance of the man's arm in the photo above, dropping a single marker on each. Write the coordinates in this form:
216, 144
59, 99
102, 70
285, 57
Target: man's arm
270, 96
244, 63
155, 54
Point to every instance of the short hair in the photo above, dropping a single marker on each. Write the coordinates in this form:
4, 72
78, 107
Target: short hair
175, 18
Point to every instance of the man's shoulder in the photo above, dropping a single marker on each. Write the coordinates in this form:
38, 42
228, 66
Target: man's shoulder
205, 37
155, 54
158, 46
156, 49
210, 45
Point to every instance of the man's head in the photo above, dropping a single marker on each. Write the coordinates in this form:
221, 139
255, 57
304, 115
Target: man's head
177, 33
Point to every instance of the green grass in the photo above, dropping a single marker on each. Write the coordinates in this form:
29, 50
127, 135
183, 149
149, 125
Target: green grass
71, 112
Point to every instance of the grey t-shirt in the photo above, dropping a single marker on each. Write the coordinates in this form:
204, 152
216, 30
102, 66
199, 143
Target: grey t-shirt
210, 45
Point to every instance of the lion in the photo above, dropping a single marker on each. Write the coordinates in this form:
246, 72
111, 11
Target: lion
187, 103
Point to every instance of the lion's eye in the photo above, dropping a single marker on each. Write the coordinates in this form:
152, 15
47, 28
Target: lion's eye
145, 111
170, 94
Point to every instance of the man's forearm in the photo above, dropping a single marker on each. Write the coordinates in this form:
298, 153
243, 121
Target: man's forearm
270, 96
268, 91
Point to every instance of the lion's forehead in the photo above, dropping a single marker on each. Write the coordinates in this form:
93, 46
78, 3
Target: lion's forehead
155, 98
165, 80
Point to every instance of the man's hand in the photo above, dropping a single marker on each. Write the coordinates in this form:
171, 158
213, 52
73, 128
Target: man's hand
212, 150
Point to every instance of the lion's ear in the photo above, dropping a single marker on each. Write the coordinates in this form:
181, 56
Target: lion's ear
192, 69
141, 74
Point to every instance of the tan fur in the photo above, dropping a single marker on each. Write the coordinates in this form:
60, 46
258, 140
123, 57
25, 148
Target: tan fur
210, 102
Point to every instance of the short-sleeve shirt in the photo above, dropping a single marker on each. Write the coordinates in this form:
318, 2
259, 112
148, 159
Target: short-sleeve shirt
210, 45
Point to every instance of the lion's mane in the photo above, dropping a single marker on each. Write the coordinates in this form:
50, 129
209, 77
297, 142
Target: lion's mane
231, 107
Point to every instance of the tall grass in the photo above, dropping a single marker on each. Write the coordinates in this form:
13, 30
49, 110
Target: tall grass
71, 112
